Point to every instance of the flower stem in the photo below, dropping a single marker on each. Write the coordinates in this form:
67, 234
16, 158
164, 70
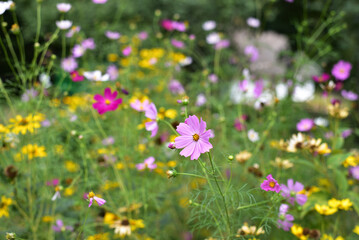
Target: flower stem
254, 204
170, 126
83, 225
190, 174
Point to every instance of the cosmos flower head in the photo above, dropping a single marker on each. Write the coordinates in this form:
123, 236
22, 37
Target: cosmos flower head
76, 77
291, 192
253, 136
5, 6
253, 22
92, 197
305, 125
285, 220
322, 78
177, 44
112, 35
96, 76
127, 51
252, 52
69, 64
107, 102
209, 25
63, 7
60, 227
349, 95
270, 184
152, 125
64, 24
99, 1
147, 163
194, 138
341, 70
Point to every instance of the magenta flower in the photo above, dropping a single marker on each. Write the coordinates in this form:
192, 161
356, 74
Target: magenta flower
78, 51
88, 43
322, 78
107, 102
239, 125
167, 24
179, 26
91, 196
194, 137
99, 1
349, 95
341, 70
305, 125
127, 51
151, 113
270, 184
290, 192
252, 52
285, 220
346, 133
76, 77
177, 43
258, 88
108, 141
60, 227
147, 163
69, 64
224, 43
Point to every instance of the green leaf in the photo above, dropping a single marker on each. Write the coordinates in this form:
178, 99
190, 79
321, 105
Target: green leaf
334, 161
341, 181
354, 197
339, 143
305, 163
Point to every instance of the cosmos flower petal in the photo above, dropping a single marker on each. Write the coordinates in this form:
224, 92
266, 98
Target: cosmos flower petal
183, 141
100, 201
91, 200
187, 151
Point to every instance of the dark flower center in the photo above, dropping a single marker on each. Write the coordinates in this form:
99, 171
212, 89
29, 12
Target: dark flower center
125, 222
195, 137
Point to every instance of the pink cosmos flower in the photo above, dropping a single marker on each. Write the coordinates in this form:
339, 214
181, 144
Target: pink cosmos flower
112, 35
270, 184
201, 100
252, 52
285, 220
322, 78
194, 137
78, 51
69, 64
177, 43
60, 227
72, 31
91, 196
112, 71
108, 141
213, 78
76, 77
176, 87
127, 51
305, 125
239, 125
224, 43
140, 106
341, 70
179, 26
349, 95
253, 22
167, 24
143, 35
108, 102
88, 43
151, 113
290, 192
258, 88
99, 1
147, 163
63, 7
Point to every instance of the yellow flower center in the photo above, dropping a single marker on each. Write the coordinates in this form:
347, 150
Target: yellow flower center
272, 184
195, 137
107, 102
57, 188
91, 195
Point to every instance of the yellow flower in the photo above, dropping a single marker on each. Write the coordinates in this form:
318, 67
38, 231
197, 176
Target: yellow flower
5, 203
325, 210
100, 236
71, 166
337, 111
334, 203
141, 147
69, 191
3, 129
136, 223
323, 149
59, 149
109, 185
309, 191
345, 204
172, 164
23, 125
171, 113
47, 219
356, 229
243, 156
298, 232
350, 161
112, 57
120, 166
109, 218
33, 151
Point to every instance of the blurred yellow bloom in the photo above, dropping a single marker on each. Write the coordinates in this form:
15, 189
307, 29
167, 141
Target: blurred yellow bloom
325, 210
100, 236
243, 156
59, 149
47, 219
4, 205
55, 102
112, 57
141, 147
328, 237
33, 151
323, 149
120, 166
3, 129
298, 232
337, 111
110, 185
350, 161
71, 166
22, 125
172, 164
334, 203
356, 229
69, 191
171, 113
345, 204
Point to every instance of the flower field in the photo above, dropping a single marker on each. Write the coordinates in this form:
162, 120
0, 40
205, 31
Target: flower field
151, 120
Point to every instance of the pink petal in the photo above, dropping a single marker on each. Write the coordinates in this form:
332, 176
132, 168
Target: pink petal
193, 122
196, 152
151, 112
99, 98
187, 151
149, 160
202, 127
107, 93
183, 141
91, 199
184, 129
140, 166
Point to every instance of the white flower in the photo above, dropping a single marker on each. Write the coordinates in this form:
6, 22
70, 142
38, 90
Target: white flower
253, 135
209, 25
186, 61
266, 98
56, 195
63, 7
320, 121
281, 90
303, 93
253, 22
213, 38
45, 80
5, 6
97, 76
64, 24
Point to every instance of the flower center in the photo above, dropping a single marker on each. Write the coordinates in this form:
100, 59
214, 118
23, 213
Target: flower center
23, 122
272, 184
57, 188
91, 195
195, 137
293, 194
342, 70
107, 102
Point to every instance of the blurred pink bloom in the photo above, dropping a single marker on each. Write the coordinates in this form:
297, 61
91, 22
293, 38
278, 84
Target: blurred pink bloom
99, 1
322, 78
177, 43
258, 88
91, 196
305, 125
213, 78
69, 64
60, 227
222, 44
151, 113
349, 95
147, 163
253, 22
270, 184
76, 77
140, 106
63, 7
112, 35
78, 51
143, 35
201, 100
72, 31
176, 87
346, 133
89, 43
127, 51
108, 141
239, 125
107, 102
341, 70
112, 71
194, 137
252, 52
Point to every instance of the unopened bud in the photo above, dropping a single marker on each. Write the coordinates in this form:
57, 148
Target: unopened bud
53, 56
15, 29
171, 173
230, 157
4, 24
10, 236
171, 145
37, 45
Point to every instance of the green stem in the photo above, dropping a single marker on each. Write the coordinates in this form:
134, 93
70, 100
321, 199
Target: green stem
254, 204
83, 225
191, 175
170, 126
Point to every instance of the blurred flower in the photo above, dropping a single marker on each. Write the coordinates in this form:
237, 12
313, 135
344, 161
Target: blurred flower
201, 100
249, 230
88, 43
72, 31
91, 196
25, 124
209, 25
252, 52
349, 95
78, 51
341, 70
285, 220
354, 172
112, 71
346, 133
60, 227
127, 51
147, 163
177, 43
5, 6
139, 105
64, 24
213, 78
167, 24
253, 22
45, 80
239, 125
253, 135
63, 7
194, 138
224, 43
213, 38
112, 35
337, 111
325, 210
151, 113
170, 25
176, 87
320, 121
243, 156
122, 228
4, 204
322, 78
76, 77
97, 76
99, 1
143, 35
305, 125
107, 102
281, 90
29, 94
108, 141
284, 164
270, 184
291, 192
303, 92
69, 64
33, 151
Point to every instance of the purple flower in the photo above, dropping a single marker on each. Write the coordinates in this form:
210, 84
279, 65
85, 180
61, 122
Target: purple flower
322, 78
147, 163
177, 43
194, 137
285, 220
143, 35
72, 31
239, 125
89, 43
176, 87
213, 78
60, 227
224, 43
201, 100
69, 64
107, 102
179, 26
78, 51
346, 133
127, 51
258, 88
112, 35
91, 196
354, 172
290, 192
108, 141
270, 184
252, 52
112, 71
341, 70
349, 95
151, 113
99, 1
305, 125
46, 123
29, 94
